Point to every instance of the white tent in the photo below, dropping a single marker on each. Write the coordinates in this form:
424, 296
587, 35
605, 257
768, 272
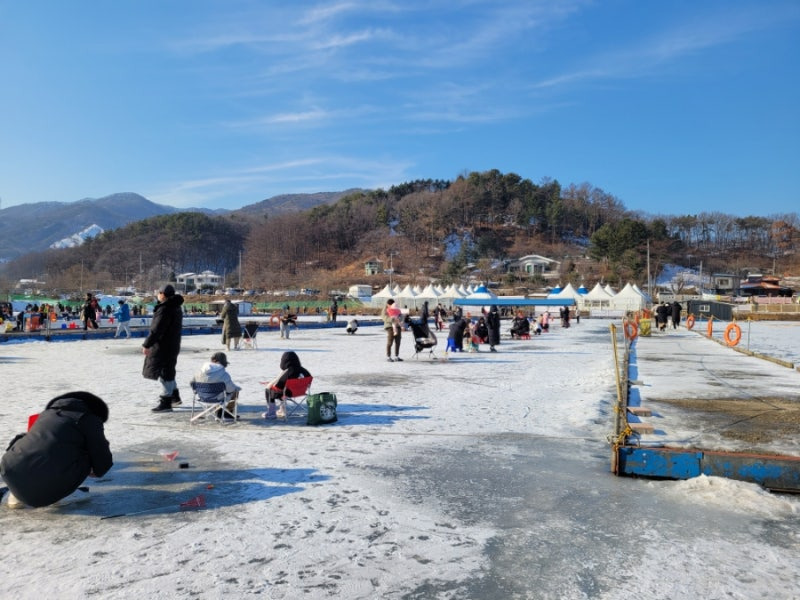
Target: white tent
628, 299
598, 297
567, 292
609, 290
646, 297
381, 297
407, 298
449, 294
430, 294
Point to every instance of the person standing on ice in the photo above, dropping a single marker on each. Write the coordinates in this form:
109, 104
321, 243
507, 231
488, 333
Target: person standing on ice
493, 324
662, 310
65, 445
89, 312
162, 346
123, 317
231, 329
391, 325
676, 314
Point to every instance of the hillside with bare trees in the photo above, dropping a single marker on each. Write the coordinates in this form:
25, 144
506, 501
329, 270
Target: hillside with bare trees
421, 230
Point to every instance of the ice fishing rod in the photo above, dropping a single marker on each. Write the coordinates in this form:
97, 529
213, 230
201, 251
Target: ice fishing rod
196, 502
138, 512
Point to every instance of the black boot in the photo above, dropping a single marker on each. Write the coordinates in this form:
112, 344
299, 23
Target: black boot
164, 404
176, 397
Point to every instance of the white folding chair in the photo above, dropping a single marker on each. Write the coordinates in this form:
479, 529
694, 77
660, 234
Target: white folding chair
212, 400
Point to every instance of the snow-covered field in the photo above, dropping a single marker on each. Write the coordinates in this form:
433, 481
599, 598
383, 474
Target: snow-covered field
485, 475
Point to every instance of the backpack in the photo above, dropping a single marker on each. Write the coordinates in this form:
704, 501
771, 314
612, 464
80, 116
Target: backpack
321, 408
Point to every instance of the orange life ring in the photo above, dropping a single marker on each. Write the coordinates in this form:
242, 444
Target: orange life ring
690, 322
631, 330
274, 319
734, 329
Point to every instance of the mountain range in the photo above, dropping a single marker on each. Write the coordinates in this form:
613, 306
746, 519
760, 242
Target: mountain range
34, 227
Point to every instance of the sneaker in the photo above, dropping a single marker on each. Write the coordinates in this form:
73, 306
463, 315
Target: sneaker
280, 414
398, 359
390, 359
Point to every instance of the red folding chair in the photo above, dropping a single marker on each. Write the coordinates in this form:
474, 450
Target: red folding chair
296, 391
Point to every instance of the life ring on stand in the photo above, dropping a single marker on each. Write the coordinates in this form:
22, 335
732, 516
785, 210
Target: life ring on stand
733, 333
274, 319
690, 322
631, 330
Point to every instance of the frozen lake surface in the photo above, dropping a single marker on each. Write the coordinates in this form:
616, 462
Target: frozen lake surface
485, 475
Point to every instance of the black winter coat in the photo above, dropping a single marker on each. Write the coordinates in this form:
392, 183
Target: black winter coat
456, 332
65, 444
164, 340
493, 323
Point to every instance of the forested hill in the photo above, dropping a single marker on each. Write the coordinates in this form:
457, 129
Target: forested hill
424, 229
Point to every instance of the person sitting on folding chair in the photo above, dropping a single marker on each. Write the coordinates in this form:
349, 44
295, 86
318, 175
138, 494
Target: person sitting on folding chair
214, 371
290, 369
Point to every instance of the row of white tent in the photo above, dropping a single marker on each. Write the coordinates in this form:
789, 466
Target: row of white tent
415, 296
600, 298
629, 298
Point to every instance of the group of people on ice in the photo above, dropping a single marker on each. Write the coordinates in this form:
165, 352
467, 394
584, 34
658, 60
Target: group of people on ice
664, 311
66, 442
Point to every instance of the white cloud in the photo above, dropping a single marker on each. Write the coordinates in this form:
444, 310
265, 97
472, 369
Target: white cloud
641, 59
239, 187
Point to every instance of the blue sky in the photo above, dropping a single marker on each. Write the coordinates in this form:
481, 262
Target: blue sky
674, 107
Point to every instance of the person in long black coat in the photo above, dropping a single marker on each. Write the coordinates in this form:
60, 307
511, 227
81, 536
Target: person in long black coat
493, 323
662, 312
676, 314
231, 328
64, 446
89, 313
162, 346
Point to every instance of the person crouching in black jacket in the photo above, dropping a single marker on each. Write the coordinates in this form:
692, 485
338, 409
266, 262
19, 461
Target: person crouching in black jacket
64, 446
